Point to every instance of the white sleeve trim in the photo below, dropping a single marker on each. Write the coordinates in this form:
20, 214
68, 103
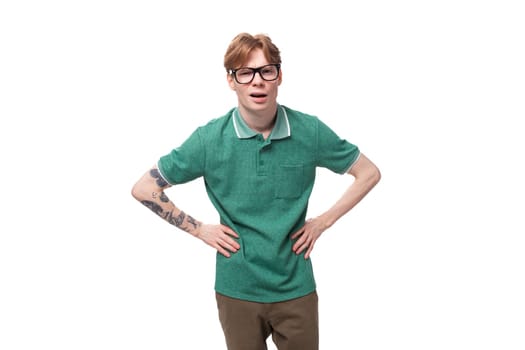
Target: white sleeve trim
351, 165
162, 175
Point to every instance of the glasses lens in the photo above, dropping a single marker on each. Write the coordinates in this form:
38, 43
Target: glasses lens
269, 72
244, 75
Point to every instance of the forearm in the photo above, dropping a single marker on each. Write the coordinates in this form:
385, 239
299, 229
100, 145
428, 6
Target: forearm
163, 207
366, 175
149, 191
351, 197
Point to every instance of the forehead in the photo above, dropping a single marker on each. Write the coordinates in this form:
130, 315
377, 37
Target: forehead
255, 59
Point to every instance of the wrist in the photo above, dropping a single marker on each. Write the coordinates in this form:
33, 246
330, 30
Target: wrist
326, 220
196, 232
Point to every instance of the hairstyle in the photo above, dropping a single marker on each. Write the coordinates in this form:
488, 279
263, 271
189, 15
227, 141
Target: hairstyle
243, 44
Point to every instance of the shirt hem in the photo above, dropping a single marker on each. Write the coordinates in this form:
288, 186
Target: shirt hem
276, 299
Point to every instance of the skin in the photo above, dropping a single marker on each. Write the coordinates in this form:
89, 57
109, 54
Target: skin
366, 176
150, 191
257, 102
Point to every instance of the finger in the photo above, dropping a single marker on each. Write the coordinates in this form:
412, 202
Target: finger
309, 251
302, 247
300, 241
227, 239
222, 251
233, 243
298, 244
229, 244
297, 233
229, 231
308, 244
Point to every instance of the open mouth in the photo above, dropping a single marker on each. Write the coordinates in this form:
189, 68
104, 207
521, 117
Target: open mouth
258, 95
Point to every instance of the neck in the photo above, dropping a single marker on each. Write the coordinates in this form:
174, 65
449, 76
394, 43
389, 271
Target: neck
260, 121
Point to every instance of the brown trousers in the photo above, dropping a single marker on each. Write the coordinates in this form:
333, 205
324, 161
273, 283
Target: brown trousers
293, 324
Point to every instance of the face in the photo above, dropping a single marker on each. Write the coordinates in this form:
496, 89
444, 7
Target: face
258, 95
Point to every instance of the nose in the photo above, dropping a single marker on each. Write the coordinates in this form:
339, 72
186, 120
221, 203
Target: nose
257, 79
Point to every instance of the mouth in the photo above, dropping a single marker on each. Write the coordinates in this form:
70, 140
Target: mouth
258, 95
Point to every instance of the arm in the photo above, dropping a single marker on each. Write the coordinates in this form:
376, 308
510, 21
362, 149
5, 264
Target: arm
149, 190
366, 176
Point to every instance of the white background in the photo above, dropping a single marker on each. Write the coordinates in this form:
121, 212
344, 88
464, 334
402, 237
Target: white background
93, 92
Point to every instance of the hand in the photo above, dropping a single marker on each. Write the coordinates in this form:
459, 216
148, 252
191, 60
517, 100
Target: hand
307, 236
220, 238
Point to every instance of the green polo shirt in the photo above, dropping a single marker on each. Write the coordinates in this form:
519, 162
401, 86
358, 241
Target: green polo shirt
260, 189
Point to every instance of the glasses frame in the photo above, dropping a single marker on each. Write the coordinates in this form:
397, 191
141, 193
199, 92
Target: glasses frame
256, 70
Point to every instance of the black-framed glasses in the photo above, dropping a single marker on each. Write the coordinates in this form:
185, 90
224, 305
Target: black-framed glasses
245, 75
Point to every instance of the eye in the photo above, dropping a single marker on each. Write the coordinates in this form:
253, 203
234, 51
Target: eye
244, 72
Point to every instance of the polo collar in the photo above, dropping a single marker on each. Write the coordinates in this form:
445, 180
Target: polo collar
280, 130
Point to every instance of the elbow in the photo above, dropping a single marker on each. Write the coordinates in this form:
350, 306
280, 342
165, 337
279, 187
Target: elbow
376, 176
137, 192
365, 171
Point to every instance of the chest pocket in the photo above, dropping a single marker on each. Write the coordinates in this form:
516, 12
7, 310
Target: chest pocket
290, 181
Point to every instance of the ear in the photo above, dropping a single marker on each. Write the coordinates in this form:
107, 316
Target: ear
230, 80
280, 79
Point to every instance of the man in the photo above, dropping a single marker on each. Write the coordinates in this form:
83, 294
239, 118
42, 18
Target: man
258, 162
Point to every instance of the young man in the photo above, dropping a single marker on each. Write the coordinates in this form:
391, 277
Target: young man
258, 162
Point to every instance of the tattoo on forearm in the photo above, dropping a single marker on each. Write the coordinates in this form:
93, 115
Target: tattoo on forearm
164, 198
154, 207
192, 221
156, 175
176, 220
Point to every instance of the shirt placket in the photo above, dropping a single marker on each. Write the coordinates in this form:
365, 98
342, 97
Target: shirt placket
263, 156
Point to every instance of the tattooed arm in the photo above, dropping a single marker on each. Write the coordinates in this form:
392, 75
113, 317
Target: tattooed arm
149, 190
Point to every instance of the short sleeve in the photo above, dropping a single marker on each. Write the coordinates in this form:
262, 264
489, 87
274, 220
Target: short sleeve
184, 163
333, 152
